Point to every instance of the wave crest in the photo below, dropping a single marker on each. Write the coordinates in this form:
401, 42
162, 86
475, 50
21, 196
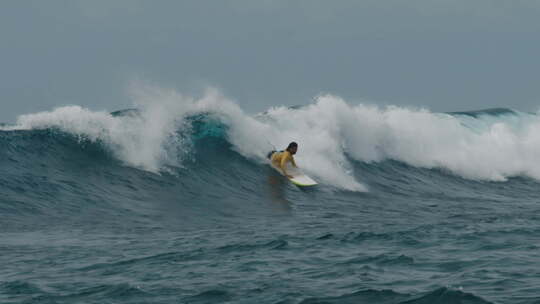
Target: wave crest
486, 145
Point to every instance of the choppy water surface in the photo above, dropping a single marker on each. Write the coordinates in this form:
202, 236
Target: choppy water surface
413, 207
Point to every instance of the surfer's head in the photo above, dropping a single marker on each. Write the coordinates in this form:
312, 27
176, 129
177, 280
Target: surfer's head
292, 148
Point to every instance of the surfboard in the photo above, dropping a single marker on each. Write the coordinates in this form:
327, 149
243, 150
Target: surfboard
299, 177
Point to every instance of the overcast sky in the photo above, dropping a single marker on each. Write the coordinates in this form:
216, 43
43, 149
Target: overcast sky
446, 55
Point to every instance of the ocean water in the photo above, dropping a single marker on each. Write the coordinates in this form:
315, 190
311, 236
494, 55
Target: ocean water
172, 202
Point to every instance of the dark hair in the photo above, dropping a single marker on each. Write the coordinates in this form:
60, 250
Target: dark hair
292, 145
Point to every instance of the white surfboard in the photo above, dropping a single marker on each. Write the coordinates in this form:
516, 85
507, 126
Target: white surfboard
299, 177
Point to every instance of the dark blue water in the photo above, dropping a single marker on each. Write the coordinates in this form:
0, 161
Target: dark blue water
78, 225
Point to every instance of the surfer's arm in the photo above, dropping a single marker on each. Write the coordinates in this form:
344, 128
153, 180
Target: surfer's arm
293, 162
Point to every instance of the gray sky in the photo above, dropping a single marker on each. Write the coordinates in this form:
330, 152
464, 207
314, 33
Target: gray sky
447, 55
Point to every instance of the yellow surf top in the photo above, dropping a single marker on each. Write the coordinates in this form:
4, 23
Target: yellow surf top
280, 159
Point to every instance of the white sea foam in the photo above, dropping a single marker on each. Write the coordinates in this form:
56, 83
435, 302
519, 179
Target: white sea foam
147, 140
327, 131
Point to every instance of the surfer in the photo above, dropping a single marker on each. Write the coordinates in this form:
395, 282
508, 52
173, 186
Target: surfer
280, 158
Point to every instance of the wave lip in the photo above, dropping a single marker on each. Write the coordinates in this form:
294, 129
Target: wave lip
486, 112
